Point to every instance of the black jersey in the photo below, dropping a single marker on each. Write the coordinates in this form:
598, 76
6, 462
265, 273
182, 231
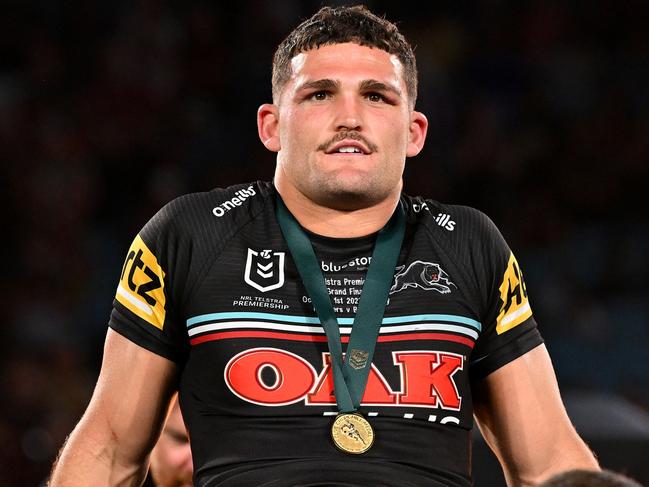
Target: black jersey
210, 284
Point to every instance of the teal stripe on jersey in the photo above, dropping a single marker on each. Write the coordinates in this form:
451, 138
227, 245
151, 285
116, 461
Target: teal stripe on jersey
251, 315
434, 317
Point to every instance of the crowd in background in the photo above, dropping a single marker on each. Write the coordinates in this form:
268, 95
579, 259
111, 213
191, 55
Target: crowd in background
539, 116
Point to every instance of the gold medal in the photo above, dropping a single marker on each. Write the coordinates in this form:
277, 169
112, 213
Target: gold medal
352, 433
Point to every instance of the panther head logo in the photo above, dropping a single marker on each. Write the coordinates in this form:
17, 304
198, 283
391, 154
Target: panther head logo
423, 275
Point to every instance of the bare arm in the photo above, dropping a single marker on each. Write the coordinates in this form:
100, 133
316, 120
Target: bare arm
522, 418
111, 443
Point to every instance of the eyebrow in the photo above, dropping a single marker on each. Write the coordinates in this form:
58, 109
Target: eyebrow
319, 84
374, 85
365, 85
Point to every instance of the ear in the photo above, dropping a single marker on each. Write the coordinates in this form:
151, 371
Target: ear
268, 126
416, 133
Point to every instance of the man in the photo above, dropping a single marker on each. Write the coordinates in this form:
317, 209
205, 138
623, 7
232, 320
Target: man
171, 458
243, 299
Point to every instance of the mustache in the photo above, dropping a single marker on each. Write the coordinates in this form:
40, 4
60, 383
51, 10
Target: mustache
348, 134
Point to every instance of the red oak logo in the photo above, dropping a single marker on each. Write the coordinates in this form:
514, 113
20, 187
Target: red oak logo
274, 377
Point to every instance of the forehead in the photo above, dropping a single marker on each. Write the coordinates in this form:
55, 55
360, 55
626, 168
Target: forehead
346, 62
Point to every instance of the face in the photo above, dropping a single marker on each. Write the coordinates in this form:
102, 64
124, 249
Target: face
343, 126
171, 458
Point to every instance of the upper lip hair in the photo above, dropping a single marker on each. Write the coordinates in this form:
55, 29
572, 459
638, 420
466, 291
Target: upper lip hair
348, 143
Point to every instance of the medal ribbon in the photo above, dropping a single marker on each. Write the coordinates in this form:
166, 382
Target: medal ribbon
349, 379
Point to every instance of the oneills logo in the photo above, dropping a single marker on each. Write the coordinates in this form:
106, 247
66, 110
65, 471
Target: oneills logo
232, 203
513, 293
141, 285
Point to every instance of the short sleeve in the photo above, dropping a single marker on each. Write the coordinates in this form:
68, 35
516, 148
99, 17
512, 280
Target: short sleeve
146, 308
509, 328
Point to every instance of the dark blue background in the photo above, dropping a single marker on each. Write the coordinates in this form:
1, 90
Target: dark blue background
539, 116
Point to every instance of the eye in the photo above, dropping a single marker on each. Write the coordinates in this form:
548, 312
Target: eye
319, 95
375, 97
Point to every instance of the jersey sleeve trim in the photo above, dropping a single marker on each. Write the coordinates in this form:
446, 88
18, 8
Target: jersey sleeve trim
507, 352
138, 335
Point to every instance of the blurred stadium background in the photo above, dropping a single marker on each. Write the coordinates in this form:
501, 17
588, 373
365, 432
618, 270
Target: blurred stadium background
539, 116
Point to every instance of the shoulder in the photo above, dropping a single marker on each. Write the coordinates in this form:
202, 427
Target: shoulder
185, 236
216, 210
224, 204
455, 221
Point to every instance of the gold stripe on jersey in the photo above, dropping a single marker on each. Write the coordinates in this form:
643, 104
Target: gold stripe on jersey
515, 305
141, 285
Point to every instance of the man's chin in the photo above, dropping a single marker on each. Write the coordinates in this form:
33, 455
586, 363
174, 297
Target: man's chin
346, 198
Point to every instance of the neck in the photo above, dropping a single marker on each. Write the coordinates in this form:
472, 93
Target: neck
330, 222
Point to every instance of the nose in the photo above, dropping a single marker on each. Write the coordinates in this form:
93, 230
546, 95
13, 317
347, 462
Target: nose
348, 114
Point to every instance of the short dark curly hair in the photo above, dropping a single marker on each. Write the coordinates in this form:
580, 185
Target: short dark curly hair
339, 25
